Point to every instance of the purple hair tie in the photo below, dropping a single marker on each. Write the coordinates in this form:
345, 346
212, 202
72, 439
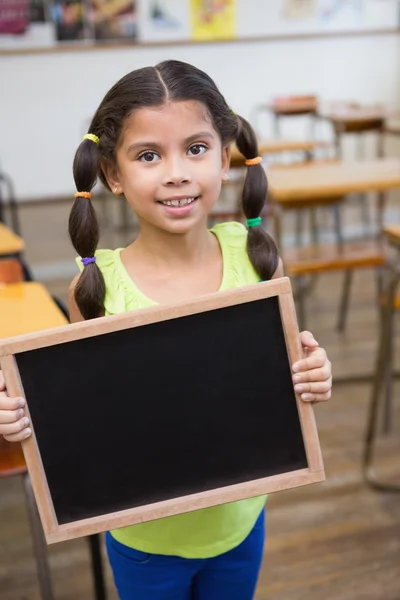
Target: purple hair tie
87, 261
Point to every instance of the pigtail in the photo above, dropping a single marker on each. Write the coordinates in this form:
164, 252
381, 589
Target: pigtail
261, 248
84, 229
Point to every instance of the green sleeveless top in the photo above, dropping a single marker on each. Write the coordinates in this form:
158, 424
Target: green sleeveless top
210, 531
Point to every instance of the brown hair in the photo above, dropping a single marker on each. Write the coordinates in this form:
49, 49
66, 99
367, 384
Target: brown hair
153, 86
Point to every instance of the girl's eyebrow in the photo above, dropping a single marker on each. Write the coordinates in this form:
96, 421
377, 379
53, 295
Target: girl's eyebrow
154, 145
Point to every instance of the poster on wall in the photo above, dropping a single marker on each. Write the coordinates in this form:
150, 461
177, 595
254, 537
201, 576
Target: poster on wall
69, 20
113, 19
163, 20
25, 24
299, 9
213, 19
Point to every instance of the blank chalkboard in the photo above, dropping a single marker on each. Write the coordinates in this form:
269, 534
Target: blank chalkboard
198, 404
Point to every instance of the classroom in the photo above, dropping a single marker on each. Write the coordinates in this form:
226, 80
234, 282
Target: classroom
165, 391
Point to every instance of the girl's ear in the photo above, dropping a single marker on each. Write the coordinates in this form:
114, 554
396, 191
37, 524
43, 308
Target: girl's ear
112, 177
226, 161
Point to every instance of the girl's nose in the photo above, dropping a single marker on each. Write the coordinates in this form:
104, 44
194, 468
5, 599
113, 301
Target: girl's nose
177, 172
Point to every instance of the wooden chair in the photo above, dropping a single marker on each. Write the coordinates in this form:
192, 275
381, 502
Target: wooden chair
11, 271
314, 258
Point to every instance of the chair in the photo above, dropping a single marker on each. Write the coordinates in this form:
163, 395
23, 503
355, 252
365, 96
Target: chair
11, 271
283, 107
315, 258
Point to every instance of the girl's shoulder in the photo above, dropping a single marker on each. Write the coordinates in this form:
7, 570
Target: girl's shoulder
238, 270
121, 293
231, 232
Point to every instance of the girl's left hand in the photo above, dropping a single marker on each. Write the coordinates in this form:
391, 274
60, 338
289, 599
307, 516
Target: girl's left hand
313, 374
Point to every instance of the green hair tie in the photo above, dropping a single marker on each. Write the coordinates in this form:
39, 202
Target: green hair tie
254, 222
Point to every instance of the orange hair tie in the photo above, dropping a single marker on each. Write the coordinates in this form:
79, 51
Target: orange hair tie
249, 162
87, 195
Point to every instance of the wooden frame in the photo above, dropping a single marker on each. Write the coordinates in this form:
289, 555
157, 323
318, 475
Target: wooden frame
55, 532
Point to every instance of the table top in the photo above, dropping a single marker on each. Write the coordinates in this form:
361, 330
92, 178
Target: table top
27, 307
392, 233
333, 180
10, 242
276, 146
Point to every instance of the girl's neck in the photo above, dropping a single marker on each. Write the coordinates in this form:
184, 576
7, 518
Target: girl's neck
166, 251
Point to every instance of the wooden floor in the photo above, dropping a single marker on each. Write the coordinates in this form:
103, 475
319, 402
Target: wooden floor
338, 540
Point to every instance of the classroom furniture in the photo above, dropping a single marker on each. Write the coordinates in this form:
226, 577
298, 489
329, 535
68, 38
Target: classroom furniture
384, 364
10, 271
274, 146
7, 196
282, 107
191, 461
27, 307
356, 119
10, 242
323, 185
229, 207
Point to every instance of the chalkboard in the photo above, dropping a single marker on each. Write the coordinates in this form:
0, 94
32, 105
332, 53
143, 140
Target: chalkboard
189, 406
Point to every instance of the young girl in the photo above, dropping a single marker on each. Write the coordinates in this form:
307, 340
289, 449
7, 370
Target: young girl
161, 137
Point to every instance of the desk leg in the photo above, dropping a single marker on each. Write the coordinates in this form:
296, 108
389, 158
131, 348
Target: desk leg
383, 360
97, 567
39, 543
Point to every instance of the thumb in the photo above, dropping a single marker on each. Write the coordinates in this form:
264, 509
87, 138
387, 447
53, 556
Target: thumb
308, 340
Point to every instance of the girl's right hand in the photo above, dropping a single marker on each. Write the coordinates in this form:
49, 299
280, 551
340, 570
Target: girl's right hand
14, 426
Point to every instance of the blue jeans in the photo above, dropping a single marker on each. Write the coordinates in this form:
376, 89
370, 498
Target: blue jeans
229, 576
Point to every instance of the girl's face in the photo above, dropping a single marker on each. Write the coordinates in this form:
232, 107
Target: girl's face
170, 165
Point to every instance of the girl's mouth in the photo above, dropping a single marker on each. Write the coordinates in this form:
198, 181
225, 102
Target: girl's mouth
179, 207
180, 202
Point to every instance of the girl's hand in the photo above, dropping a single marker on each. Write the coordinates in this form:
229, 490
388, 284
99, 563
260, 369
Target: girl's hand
14, 426
313, 374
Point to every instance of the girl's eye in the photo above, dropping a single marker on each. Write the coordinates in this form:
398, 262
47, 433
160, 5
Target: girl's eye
148, 156
197, 149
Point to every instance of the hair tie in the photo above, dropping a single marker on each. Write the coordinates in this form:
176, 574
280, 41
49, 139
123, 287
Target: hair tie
92, 137
87, 195
249, 162
88, 260
254, 222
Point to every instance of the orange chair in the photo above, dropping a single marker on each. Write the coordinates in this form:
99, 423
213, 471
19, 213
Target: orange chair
11, 271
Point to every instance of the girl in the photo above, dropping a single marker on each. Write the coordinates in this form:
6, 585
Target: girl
161, 137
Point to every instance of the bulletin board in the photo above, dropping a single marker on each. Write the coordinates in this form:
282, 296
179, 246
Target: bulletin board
94, 23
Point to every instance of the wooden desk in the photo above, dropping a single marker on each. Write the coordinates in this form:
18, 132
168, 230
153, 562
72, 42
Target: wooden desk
307, 183
27, 307
384, 366
275, 146
10, 243
24, 308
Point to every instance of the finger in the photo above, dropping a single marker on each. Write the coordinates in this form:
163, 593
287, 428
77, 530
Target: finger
321, 374
18, 437
16, 427
2, 382
317, 358
7, 403
307, 339
316, 397
320, 387
11, 416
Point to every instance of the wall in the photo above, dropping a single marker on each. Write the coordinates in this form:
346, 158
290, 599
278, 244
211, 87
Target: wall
47, 99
